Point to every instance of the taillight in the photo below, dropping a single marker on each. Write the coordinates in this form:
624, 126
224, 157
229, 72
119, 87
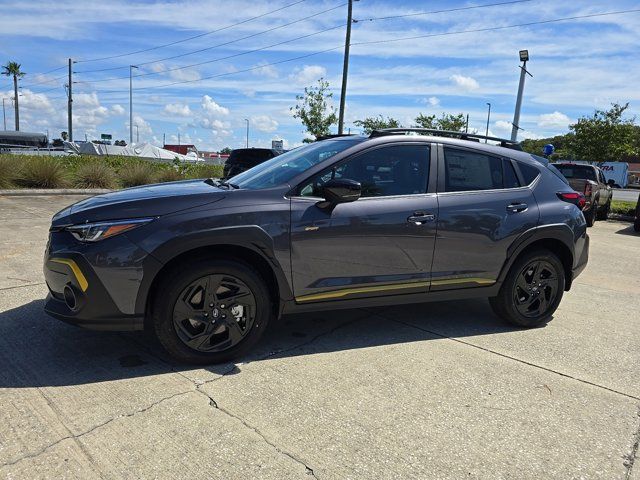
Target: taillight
573, 197
587, 189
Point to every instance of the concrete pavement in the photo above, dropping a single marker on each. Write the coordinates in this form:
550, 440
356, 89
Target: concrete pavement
440, 390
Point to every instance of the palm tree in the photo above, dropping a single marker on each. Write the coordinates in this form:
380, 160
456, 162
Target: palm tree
13, 69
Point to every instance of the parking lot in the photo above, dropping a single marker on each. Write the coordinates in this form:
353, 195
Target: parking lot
441, 390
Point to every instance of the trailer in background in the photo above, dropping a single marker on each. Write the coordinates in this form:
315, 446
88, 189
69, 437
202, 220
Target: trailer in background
616, 171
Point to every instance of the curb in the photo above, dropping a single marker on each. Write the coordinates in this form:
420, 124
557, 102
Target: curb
28, 192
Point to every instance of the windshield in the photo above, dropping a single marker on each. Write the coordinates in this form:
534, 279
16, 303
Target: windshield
283, 168
577, 171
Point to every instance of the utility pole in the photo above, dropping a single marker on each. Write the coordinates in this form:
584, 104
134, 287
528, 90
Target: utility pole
488, 118
524, 58
4, 115
466, 128
345, 68
164, 139
137, 134
131, 67
247, 120
70, 103
178, 138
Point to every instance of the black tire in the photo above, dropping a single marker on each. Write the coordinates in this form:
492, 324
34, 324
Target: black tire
512, 297
636, 224
590, 215
603, 213
173, 287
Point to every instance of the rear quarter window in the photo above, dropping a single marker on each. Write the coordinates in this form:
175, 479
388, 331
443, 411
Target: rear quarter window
529, 173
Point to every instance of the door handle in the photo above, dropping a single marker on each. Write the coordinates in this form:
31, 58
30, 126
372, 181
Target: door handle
418, 218
517, 207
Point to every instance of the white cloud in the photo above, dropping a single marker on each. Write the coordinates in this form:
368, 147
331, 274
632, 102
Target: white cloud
555, 119
144, 128
466, 83
264, 123
184, 74
433, 101
503, 126
212, 108
177, 109
308, 74
117, 109
268, 71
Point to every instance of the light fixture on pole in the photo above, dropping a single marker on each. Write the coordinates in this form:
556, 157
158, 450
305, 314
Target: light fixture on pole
131, 67
524, 58
247, 120
488, 119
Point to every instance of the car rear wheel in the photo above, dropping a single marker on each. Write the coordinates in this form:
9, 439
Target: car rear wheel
211, 311
532, 289
603, 213
590, 215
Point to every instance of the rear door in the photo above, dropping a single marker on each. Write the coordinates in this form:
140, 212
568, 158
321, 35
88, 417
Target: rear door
381, 244
483, 208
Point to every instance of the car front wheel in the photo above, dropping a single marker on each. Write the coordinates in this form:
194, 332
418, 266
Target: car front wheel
532, 289
211, 311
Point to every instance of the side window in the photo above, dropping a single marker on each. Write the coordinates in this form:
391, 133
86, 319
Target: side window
509, 174
468, 170
531, 173
392, 170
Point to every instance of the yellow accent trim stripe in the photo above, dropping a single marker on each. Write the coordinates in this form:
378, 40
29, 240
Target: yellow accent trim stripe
396, 286
82, 280
455, 281
352, 291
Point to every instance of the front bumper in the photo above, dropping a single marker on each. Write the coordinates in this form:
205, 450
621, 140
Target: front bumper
95, 286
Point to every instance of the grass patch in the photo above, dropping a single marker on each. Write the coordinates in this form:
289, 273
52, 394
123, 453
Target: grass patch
136, 174
42, 172
94, 175
169, 174
623, 208
9, 172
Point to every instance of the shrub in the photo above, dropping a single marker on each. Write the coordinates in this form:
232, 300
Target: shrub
94, 174
8, 172
135, 174
42, 172
169, 175
203, 171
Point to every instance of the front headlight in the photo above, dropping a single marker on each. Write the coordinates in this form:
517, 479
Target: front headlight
93, 232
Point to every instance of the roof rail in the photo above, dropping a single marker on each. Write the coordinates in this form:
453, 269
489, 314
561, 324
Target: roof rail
334, 135
473, 137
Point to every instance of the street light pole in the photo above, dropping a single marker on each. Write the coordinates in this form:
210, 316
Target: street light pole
524, 58
131, 67
247, 120
137, 134
488, 119
70, 103
4, 115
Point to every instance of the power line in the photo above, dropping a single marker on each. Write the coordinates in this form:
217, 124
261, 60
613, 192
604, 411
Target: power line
45, 81
193, 37
471, 7
50, 71
488, 29
247, 52
47, 90
207, 48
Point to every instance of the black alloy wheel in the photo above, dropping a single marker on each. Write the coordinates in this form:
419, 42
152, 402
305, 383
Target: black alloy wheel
211, 310
536, 289
214, 313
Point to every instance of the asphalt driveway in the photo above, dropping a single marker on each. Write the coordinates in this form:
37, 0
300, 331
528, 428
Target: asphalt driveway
441, 390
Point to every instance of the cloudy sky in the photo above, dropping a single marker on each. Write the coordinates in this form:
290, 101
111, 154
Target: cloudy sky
223, 65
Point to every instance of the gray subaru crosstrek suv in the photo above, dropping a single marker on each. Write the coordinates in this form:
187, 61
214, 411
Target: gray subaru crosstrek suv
394, 218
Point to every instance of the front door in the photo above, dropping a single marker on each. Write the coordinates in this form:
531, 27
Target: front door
381, 244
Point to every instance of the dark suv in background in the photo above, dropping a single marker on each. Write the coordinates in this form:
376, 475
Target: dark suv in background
393, 218
242, 159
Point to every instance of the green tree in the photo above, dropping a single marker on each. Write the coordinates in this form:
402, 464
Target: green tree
447, 121
605, 136
314, 111
12, 69
225, 151
370, 124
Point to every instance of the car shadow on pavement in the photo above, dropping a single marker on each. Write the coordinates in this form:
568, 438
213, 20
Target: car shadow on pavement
38, 351
628, 231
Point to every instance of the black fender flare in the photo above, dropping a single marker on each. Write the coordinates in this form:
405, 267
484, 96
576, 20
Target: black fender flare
250, 237
560, 232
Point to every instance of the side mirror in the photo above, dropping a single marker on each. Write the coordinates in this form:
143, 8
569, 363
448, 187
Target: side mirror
611, 182
341, 190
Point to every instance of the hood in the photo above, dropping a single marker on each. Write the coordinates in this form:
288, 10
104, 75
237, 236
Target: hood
146, 201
